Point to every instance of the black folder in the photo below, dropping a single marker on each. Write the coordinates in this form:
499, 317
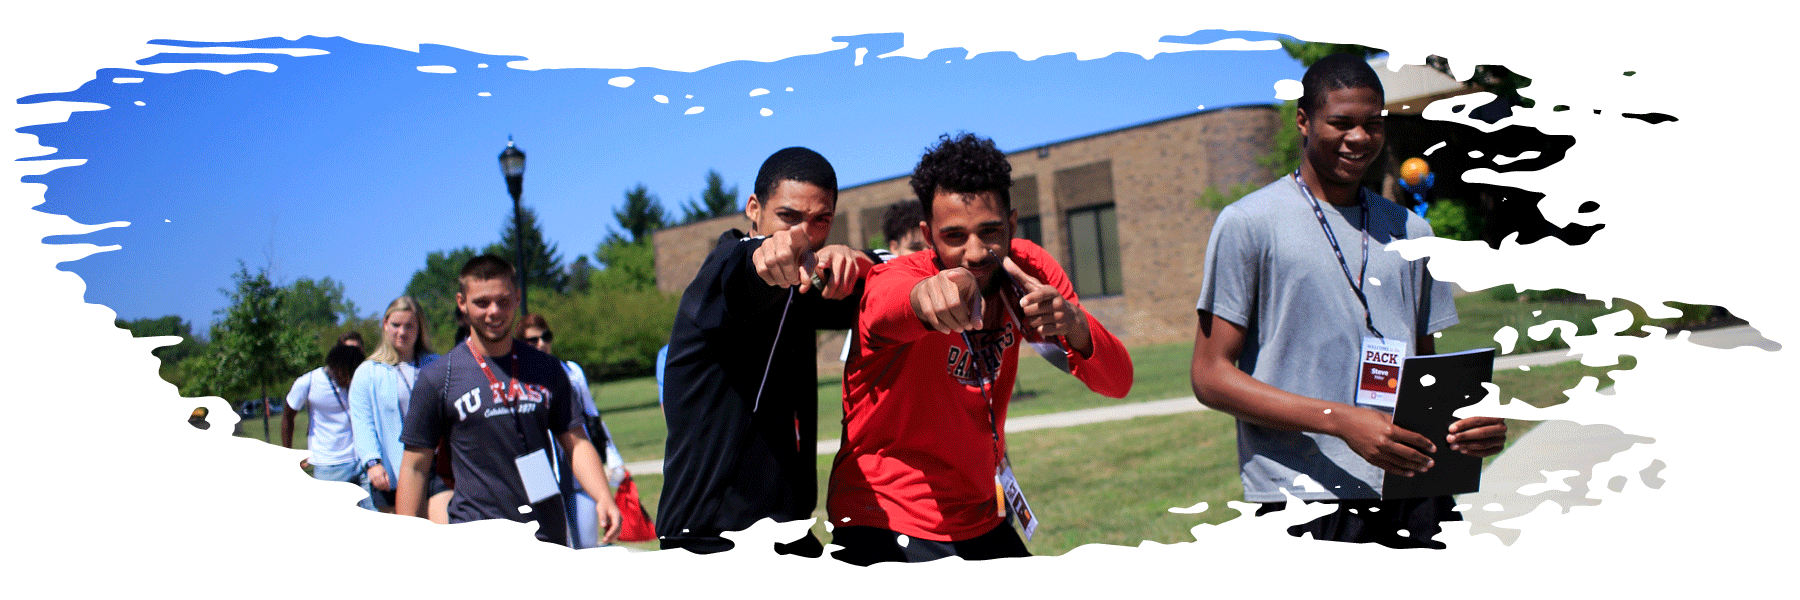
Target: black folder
1427, 410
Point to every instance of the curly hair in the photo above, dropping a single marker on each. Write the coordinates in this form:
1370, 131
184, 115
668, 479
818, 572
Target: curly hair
901, 217
965, 164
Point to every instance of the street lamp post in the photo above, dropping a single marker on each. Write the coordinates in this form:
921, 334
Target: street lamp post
512, 164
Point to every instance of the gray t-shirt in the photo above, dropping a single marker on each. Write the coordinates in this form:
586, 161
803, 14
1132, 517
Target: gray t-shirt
1270, 269
455, 399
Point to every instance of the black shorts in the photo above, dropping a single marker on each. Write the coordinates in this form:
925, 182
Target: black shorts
1408, 523
386, 499
864, 546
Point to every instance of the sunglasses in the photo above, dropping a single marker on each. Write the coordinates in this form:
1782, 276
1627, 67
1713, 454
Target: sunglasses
546, 338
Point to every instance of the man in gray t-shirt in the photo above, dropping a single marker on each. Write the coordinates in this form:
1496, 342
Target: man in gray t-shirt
1298, 284
499, 403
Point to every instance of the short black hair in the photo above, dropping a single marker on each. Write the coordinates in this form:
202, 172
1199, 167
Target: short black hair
1336, 72
795, 164
964, 164
484, 268
341, 362
902, 216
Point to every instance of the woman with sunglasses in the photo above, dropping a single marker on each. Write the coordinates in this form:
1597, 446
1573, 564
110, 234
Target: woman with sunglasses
535, 330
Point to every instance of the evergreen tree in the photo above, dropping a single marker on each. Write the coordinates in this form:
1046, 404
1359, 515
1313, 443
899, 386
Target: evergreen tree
716, 201
639, 217
543, 266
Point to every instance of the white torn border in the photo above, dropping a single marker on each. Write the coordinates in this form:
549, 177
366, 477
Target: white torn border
194, 501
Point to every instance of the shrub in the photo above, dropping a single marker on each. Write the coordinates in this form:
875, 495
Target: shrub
611, 333
1451, 219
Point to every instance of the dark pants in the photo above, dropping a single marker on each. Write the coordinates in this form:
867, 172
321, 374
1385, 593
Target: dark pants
808, 546
864, 546
1408, 523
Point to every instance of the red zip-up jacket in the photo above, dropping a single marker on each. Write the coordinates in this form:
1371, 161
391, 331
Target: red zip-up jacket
919, 452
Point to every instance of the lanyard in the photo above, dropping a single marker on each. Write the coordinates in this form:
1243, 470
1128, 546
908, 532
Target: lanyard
983, 378
336, 393
1355, 282
507, 396
504, 394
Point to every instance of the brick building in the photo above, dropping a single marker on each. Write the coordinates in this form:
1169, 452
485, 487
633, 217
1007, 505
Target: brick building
1118, 209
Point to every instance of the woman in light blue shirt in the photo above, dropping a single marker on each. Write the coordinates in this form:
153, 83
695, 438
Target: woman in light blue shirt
380, 394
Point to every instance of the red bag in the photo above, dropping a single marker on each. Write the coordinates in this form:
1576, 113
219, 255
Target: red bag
635, 525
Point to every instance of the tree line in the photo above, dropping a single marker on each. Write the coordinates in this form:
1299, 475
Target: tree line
607, 313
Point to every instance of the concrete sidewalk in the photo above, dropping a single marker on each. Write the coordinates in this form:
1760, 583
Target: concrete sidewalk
1727, 337
1555, 461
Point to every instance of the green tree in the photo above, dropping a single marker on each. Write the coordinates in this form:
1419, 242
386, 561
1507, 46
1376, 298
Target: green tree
171, 356
1283, 156
716, 201
629, 266
316, 304
611, 332
253, 346
435, 288
580, 272
543, 265
167, 325
639, 217
1310, 52
629, 263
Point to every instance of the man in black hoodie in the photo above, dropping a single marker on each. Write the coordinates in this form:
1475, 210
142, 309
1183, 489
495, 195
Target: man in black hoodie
740, 392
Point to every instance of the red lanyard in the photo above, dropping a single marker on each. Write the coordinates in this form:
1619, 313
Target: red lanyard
504, 394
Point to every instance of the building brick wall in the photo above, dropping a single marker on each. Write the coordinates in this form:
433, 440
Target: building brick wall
1157, 171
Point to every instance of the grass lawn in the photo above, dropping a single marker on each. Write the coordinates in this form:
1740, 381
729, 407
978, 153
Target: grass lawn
1481, 314
1546, 386
1113, 483
636, 421
252, 427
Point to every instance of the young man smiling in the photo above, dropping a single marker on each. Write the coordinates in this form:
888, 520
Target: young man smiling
1297, 288
920, 472
740, 394
498, 400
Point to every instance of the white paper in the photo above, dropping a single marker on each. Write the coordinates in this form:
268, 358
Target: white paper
540, 480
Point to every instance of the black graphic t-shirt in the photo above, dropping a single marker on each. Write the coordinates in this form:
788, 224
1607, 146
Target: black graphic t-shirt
487, 431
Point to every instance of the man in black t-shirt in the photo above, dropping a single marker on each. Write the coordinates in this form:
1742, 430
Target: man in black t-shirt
497, 401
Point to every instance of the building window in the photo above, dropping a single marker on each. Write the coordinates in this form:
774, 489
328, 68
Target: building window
1030, 228
1024, 195
1094, 248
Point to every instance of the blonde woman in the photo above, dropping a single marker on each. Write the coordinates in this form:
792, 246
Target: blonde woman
380, 394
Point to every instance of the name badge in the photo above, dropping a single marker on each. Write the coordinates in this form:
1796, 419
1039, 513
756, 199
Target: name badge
534, 471
1015, 497
1378, 382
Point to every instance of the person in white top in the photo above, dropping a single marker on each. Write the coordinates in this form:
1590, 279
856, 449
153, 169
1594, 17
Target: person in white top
324, 392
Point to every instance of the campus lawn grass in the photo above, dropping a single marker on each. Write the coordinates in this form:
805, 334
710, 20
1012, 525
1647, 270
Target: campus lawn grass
1481, 314
1546, 386
1105, 483
1108, 483
251, 427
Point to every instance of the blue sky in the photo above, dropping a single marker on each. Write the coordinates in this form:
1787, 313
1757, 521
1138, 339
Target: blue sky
353, 163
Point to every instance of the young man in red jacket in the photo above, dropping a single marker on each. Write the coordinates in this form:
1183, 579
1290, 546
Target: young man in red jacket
922, 469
